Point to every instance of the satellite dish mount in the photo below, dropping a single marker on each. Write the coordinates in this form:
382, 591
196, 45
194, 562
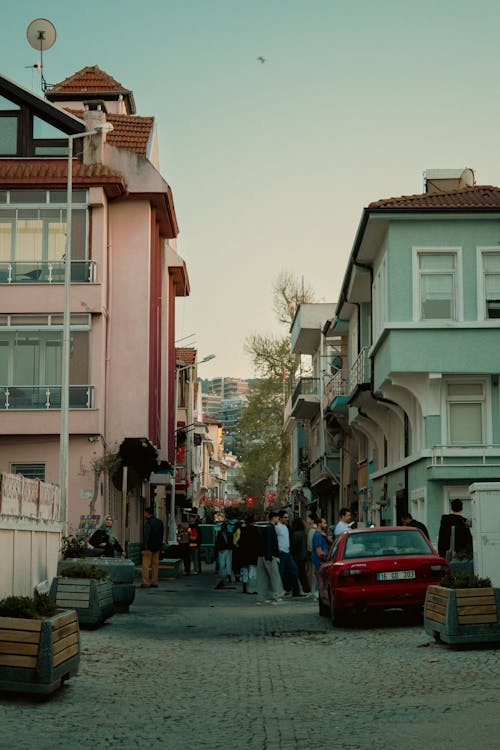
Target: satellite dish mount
41, 35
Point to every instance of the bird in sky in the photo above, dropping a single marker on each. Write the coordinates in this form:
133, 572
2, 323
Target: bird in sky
261, 59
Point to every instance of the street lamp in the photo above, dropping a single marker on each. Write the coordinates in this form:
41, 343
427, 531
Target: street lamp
105, 127
172, 526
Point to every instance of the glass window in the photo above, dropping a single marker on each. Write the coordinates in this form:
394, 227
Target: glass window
6, 104
437, 286
38, 235
4, 361
491, 273
8, 135
6, 238
32, 471
45, 150
42, 129
466, 407
28, 196
60, 196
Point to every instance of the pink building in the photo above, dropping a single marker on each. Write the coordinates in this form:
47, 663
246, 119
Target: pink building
126, 275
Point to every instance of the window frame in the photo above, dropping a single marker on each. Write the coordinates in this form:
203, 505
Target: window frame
483, 401
457, 301
482, 307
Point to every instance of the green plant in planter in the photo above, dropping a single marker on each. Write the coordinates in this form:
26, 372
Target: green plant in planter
27, 607
464, 580
73, 546
82, 570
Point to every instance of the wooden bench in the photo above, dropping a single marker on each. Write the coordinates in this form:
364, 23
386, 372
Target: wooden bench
169, 569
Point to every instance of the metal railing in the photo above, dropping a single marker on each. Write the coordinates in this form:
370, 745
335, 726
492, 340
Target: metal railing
306, 387
337, 385
360, 369
45, 397
46, 272
465, 455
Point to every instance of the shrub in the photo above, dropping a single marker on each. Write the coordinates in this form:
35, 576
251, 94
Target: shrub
73, 546
464, 581
27, 607
83, 570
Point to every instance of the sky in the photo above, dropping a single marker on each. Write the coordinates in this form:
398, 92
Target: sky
271, 164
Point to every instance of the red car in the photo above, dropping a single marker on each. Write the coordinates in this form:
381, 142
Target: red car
385, 567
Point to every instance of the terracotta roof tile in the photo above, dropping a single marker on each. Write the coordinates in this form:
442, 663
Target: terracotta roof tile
186, 355
130, 132
479, 196
53, 173
89, 79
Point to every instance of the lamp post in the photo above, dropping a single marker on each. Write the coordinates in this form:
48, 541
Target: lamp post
172, 526
105, 127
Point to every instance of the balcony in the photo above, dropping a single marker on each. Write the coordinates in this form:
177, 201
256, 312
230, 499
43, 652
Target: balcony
306, 398
470, 463
46, 272
326, 467
360, 372
37, 397
336, 394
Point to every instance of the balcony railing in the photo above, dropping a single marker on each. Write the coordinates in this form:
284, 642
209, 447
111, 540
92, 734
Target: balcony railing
45, 397
336, 386
46, 272
466, 455
306, 387
360, 370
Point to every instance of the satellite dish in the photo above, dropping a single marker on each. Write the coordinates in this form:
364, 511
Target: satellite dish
41, 34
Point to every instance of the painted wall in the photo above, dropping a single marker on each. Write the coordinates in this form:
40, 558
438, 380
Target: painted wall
128, 352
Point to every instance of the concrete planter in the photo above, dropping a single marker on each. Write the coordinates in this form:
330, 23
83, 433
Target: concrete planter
460, 616
92, 599
36, 656
121, 573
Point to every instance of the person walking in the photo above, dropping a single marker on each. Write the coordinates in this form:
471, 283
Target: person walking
298, 549
288, 567
249, 550
269, 586
312, 525
104, 539
455, 539
320, 547
194, 546
408, 520
153, 541
183, 533
224, 552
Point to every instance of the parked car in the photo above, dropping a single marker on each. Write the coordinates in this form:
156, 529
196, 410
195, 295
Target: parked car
385, 567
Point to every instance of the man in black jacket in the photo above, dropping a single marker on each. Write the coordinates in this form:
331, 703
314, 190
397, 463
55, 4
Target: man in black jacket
153, 540
454, 524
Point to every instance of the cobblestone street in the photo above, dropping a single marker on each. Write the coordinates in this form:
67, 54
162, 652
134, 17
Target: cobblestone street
191, 666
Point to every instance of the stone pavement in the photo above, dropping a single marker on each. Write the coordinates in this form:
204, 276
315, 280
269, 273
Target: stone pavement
191, 666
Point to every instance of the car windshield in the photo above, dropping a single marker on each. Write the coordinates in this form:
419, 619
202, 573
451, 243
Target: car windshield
386, 543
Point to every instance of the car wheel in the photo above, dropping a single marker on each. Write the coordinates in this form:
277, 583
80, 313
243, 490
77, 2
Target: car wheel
324, 611
337, 616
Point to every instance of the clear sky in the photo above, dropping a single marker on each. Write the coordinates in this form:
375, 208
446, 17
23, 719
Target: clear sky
272, 163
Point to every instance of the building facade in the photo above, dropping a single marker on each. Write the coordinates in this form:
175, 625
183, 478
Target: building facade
125, 277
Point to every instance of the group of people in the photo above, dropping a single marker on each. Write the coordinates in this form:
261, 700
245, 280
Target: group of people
276, 560
271, 561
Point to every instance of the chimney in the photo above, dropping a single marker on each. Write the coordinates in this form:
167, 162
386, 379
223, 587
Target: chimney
446, 180
93, 147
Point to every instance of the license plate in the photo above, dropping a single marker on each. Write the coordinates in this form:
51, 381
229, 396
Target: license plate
396, 575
